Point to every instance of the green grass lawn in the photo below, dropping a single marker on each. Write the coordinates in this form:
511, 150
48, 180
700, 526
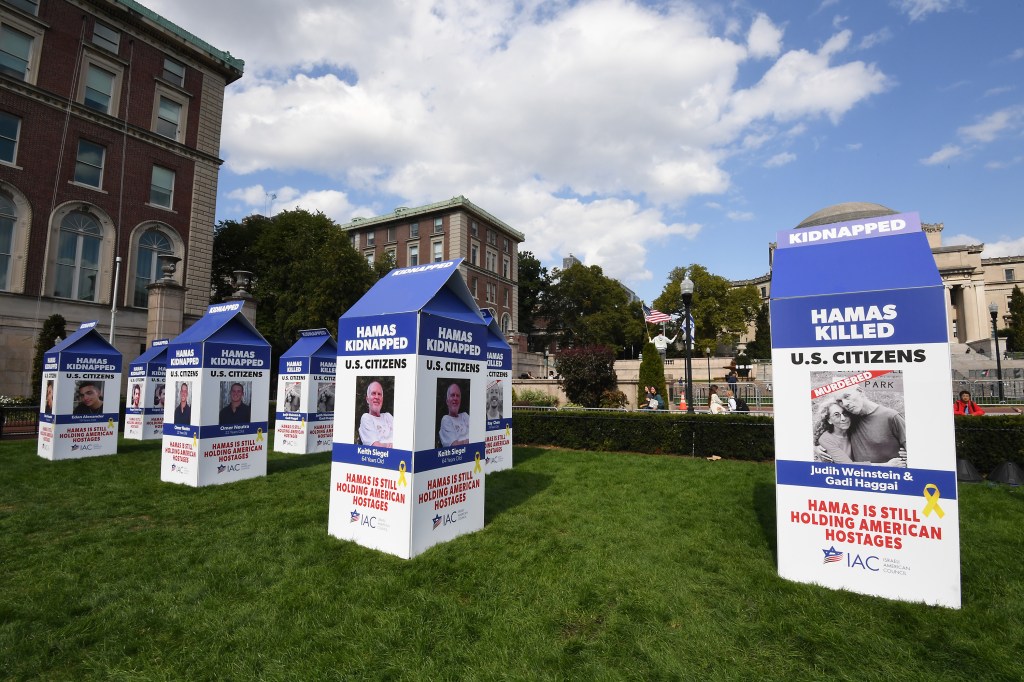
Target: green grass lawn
590, 566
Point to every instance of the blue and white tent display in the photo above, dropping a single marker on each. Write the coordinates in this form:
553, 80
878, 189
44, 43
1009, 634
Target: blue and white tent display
147, 393
864, 444
79, 413
216, 416
498, 407
407, 462
304, 421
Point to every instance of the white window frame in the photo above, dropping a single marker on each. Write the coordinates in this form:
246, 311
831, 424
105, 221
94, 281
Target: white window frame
92, 59
414, 230
165, 71
34, 32
28, 6
165, 92
371, 238
474, 253
391, 235
170, 191
369, 255
16, 139
438, 225
106, 256
108, 43
19, 243
102, 166
506, 267
413, 255
474, 228
1009, 274
436, 251
177, 249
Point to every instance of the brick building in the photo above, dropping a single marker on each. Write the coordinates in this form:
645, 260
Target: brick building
110, 122
447, 230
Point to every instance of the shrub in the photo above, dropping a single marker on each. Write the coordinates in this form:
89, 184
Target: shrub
531, 397
587, 373
652, 373
614, 399
55, 326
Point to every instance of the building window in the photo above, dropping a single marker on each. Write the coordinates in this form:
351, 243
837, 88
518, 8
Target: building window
492, 261
8, 218
474, 229
414, 254
472, 285
506, 324
1008, 274
764, 292
152, 244
168, 118
10, 127
173, 72
369, 258
438, 225
99, 88
106, 37
506, 267
30, 6
506, 297
437, 249
371, 238
161, 188
17, 52
392, 255
507, 250
89, 165
78, 257
414, 231
391, 235
492, 239
353, 239
474, 254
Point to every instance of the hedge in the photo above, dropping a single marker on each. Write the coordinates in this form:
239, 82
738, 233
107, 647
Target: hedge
985, 441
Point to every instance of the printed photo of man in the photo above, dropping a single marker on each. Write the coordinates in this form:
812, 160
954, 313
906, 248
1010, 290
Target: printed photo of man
183, 408
236, 410
89, 397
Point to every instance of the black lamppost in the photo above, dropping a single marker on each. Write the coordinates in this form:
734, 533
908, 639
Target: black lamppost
993, 310
686, 290
707, 354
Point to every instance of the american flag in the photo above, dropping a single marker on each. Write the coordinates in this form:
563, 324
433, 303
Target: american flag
654, 316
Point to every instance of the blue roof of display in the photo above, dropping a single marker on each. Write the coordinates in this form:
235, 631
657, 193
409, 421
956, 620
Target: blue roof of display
224, 323
152, 353
86, 339
313, 345
435, 288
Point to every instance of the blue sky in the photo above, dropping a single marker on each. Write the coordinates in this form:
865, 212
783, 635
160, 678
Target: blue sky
639, 136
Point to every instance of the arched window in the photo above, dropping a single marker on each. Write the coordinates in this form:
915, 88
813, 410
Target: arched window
78, 257
152, 244
8, 217
506, 324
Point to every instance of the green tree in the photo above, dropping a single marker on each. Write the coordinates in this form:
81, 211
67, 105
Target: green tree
761, 347
383, 265
583, 307
721, 313
587, 373
652, 373
234, 249
54, 327
1015, 340
306, 273
533, 283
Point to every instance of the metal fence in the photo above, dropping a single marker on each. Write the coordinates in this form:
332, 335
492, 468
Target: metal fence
986, 391
19, 422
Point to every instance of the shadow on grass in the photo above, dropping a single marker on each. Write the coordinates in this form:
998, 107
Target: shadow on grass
511, 488
279, 463
522, 454
764, 507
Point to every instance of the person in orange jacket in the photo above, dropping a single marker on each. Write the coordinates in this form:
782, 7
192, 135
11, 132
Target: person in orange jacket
967, 406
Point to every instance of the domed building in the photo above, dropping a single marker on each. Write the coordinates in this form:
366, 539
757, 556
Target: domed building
972, 282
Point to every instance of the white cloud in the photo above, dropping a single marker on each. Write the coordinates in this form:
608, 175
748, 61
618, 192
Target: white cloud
1003, 247
919, 9
960, 240
595, 101
854, 146
1000, 165
1016, 54
740, 216
882, 35
765, 38
950, 151
780, 159
1002, 90
990, 127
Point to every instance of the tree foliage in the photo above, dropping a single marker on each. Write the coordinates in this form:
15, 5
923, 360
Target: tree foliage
583, 307
587, 373
652, 373
306, 273
54, 327
761, 347
533, 283
1015, 340
720, 312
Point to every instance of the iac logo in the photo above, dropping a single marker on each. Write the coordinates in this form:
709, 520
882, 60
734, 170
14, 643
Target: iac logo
446, 519
832, 555
354, 517
869, 563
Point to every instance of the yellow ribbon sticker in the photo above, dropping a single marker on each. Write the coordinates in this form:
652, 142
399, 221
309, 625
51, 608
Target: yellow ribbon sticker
303, 422
476, 467
259, 435
110, 423
508, 430
401, 473
195, 442
931, 493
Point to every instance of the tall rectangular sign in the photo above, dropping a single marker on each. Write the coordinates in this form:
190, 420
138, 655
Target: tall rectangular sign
304, 422
147, 394
865, 454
